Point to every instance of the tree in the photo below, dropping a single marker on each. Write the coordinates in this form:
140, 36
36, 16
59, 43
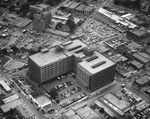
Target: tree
22, 49
39, 48
114, 117
10, 117
15, 49
32, 51
54, 94
25, 6
101, 110
62, 8
4, 51
18, 3
71, 24
116, 2
53, 2
59, 25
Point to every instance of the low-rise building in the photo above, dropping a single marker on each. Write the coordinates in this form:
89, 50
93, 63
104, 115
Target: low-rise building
80, 8
140, 57
5, 85
138, 34
11, 98
142, 81
11, 105
136, 65
138, 21
25, 112
73, 6
43, 102
88, 10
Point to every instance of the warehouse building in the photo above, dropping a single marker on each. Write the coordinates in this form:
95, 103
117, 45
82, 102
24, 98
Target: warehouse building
138, 34
72, 56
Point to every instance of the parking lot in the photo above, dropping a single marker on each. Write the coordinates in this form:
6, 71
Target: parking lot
69, 90
94, 31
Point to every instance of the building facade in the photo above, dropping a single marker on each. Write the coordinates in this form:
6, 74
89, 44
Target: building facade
41, 21
92, 68
93, 72
42, 16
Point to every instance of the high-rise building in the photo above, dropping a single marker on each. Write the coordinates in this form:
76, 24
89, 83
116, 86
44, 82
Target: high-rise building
92, 68
96, 71
42, 16
41, 21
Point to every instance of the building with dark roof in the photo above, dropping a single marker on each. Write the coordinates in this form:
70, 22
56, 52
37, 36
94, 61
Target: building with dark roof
136, 65
122, 49
45, 66
143, 58
138, 21
138, 34
143, 81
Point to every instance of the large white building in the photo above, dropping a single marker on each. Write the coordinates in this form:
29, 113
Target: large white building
91, 66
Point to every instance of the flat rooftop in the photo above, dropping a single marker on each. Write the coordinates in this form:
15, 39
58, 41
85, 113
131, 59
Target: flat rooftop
71, 115
67, 3
139, 32
87, 113
11, 98
121, 104
81, 7
74, 5
6, 107
43, 101
42, 59
143, 80
98, 64
25, 111
53, 55
145, 55
116, 18
89, 8
73, 48
133, 45
140, 58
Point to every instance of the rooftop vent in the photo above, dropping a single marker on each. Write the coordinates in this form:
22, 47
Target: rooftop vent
74, 48
91, 58
98, 64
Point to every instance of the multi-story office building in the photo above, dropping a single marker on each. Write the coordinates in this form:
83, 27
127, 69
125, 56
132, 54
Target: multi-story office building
41, 21
96, 71
92, 68
42, 16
